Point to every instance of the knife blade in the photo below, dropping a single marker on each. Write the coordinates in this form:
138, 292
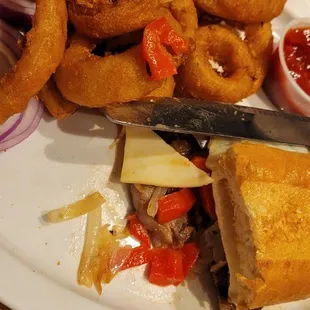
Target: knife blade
193, 116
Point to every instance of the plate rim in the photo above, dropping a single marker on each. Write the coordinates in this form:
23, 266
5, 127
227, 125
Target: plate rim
15, 291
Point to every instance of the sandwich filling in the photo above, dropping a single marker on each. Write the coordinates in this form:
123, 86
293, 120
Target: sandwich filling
251, 227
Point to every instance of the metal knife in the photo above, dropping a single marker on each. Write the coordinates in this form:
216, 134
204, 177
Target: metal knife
192, 116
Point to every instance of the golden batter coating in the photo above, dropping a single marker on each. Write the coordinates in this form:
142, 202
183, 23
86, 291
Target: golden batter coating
245, 11
105, 19
55, 103
198, 79
42, 54
94, 81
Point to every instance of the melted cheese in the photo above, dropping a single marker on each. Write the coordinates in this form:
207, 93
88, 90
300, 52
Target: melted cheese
149, 160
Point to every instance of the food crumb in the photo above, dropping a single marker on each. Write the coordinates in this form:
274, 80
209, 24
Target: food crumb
40, 227
12, 205
45, 243
58, 263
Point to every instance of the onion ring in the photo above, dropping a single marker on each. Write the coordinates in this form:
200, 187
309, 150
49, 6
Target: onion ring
94, 81
43, 52
198, 79
166, 90
104, 19
245, 11
184, 11
55, 103
259, 39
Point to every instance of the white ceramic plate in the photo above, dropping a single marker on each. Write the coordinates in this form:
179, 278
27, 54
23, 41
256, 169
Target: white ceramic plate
58, 164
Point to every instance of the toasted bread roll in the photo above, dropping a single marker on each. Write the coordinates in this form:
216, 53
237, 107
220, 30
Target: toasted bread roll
262, 197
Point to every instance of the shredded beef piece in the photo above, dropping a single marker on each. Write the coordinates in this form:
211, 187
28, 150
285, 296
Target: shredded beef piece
174, 233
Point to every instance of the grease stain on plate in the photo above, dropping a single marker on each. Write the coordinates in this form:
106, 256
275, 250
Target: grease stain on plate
138, 285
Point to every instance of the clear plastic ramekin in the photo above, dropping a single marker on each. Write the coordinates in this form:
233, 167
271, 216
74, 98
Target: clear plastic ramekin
280, 87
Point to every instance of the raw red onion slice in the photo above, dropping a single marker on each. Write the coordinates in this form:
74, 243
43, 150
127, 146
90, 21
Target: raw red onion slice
23, 6
9, 126
29, 4
17, 12
27, 119
9, 37
9, 43
4, 27
9, 142
20, 126
7, 57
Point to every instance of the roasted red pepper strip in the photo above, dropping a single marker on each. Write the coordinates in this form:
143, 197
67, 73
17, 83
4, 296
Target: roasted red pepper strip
157, 35
200, 162
205, 191
166, 267
190, 255
138, 256
207, 200
138, 231
169, 37
175, 205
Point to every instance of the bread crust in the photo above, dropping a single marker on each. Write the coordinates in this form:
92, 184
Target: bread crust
273, 187
280, 223
259, 162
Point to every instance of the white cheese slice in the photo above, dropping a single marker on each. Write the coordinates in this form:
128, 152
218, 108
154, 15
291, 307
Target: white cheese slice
149, 160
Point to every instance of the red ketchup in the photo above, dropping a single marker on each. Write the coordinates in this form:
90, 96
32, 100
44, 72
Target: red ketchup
279, 85
297, 56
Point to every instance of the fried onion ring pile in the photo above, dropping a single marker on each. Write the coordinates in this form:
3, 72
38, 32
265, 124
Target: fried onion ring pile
90, 80
245, 11
114, 50
42, 54
198, 79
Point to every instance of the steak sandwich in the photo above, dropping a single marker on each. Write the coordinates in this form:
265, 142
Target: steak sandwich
259, 248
